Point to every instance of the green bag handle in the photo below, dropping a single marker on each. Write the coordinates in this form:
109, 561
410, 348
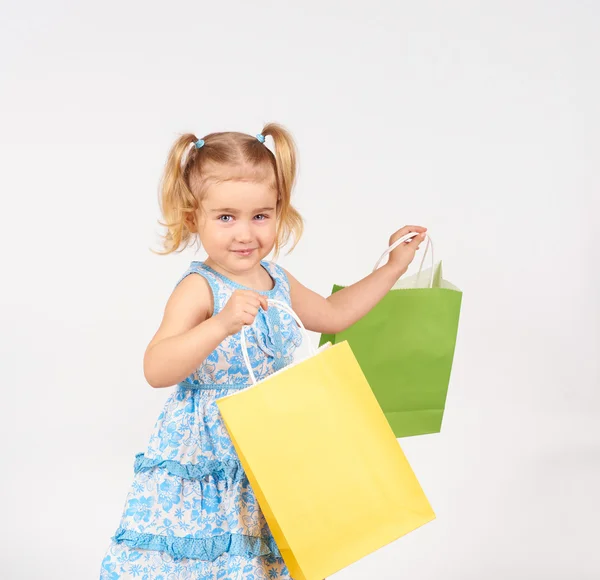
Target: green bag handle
287, 309
403, 239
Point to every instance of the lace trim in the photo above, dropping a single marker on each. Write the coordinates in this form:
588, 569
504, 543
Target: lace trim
270, 293
209, 548
231, 470
212, 386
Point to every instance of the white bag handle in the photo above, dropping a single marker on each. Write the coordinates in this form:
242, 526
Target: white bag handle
285, 307
401, 241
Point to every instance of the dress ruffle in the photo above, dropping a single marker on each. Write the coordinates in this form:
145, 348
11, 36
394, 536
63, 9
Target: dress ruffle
208, 549
125, 563
231, 469
260, 332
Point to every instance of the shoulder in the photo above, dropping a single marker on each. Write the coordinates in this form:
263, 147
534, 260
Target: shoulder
193, 291
193, 268
190, 303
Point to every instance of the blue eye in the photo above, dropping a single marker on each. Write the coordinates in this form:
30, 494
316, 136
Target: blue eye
222, 218
262, 216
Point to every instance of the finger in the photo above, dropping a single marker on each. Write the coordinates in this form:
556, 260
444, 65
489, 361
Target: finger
409, 230
254, 300
415, 245
417, 239
247, 319
245, 293
251, 309
249, 294
404, 231
260, 300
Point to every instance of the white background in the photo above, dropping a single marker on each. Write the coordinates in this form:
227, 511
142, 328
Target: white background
479, 120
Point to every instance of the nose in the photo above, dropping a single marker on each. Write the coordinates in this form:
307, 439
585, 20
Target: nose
243, 233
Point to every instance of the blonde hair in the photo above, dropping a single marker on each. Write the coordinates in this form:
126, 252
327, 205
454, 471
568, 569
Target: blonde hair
226, 157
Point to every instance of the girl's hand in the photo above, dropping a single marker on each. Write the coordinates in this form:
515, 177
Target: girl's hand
241, 309
403, 255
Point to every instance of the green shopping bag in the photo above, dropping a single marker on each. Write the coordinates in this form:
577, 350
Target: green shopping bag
405, 347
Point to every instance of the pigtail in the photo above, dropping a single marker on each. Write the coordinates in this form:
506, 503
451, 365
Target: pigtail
290, 222
177, 202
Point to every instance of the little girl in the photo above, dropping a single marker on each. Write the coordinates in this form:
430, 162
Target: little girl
191, 513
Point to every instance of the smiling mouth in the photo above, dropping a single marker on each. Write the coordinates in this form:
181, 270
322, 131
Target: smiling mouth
249, 251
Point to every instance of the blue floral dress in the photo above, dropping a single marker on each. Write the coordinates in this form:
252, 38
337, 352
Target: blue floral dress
191, 513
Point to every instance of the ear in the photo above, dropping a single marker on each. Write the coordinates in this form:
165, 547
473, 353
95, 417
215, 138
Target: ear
190, 222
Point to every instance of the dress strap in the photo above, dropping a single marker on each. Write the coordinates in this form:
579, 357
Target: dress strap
278, 274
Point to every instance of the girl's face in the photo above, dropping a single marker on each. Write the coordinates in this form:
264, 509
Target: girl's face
237, 224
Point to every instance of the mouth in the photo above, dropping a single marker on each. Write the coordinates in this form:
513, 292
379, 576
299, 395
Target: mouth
243, 252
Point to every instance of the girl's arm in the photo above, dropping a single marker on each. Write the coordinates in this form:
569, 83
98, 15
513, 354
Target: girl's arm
342, 309
186, 335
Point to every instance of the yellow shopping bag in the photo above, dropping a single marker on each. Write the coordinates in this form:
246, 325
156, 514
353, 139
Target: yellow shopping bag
326, 468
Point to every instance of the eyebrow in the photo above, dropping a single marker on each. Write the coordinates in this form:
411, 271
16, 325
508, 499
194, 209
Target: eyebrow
232, 210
